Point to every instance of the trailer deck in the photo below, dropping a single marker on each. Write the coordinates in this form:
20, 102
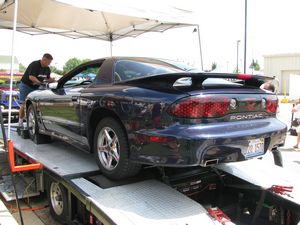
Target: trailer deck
138, 201
58, 157
145, 199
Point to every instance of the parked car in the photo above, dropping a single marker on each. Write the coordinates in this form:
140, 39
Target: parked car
147, 111
4, 104
4, 99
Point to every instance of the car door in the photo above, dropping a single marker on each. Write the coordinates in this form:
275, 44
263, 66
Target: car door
61, 113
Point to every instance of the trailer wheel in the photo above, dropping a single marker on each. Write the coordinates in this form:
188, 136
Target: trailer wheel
33, 128
111, 150
58, 201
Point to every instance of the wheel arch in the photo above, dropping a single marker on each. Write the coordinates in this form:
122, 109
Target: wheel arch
96, 116
27, 104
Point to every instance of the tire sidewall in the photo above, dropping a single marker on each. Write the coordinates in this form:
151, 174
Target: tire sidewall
33, 137
62, 218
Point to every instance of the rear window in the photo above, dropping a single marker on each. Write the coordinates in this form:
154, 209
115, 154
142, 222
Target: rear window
129, 69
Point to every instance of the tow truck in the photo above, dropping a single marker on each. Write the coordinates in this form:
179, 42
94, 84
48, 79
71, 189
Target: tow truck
231, 193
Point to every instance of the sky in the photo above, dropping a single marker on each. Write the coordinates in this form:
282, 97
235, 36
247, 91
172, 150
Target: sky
273, 28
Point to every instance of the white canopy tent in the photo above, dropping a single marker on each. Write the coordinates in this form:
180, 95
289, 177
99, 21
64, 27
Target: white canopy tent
107, 20
99, 19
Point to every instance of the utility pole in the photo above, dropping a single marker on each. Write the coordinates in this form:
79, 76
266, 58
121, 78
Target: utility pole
200, 49
237, 55
245, 42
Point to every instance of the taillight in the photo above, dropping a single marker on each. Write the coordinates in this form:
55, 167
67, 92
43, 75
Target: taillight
272, 104
244, 76
201, 107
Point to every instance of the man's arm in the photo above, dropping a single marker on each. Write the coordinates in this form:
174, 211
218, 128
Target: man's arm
34, 80
50, 80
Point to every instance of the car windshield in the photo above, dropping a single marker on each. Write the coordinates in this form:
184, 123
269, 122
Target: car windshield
129, 69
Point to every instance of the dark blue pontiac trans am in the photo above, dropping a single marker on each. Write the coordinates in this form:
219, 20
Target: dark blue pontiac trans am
132, 111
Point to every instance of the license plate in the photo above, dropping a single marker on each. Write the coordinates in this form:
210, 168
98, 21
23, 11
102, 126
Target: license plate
255, 148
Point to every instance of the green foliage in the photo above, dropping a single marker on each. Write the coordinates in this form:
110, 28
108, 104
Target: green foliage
72, 63
22, 68
213, 66
236, 70
3, 70
254, 65
55, 70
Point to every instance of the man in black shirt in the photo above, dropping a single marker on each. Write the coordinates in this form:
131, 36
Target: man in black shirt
35, 74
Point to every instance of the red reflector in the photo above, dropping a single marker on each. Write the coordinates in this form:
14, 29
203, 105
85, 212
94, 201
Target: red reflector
201, 107
272, 103
244, 76
160, 139
219, 215
281, 189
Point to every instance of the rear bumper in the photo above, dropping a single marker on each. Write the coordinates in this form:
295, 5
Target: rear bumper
205, 144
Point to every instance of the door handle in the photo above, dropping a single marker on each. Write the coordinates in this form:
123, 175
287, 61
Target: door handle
74, 98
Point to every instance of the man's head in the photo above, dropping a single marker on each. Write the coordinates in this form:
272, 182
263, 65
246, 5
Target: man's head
269, 86
46, 60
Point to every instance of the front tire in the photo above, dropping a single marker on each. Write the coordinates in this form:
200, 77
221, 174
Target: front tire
33, 128
111, 150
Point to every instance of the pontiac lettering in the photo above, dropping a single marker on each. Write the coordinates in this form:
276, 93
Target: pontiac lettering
247, 116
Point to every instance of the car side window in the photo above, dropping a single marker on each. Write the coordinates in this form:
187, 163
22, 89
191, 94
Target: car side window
83, 77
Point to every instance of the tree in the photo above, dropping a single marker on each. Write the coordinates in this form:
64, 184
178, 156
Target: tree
213, 66
254, 65
55, 70
71, 64
22, 68
236, 70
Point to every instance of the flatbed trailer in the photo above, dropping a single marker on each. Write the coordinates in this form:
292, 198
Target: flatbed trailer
79, 194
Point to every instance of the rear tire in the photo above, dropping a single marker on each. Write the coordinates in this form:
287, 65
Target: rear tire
33, 128
111, 150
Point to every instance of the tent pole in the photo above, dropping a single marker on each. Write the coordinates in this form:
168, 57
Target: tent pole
110, 41
12, 62
111, 48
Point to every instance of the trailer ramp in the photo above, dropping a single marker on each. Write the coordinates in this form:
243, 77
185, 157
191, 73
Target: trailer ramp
147, 202
266, 176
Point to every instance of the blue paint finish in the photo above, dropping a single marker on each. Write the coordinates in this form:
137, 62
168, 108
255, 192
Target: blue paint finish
142, 104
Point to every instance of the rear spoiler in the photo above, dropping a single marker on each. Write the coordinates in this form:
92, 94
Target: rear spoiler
177, 80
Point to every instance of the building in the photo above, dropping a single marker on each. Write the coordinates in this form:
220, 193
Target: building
284, 67
5, 61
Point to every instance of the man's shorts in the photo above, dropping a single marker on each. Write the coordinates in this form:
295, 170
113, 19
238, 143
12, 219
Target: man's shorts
298, 129
24, 91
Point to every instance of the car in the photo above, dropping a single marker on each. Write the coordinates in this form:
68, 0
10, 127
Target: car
15, 105
4, 99
140, 111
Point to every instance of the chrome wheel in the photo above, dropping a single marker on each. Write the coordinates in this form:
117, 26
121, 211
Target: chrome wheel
31, 122
108, 148
56, 198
